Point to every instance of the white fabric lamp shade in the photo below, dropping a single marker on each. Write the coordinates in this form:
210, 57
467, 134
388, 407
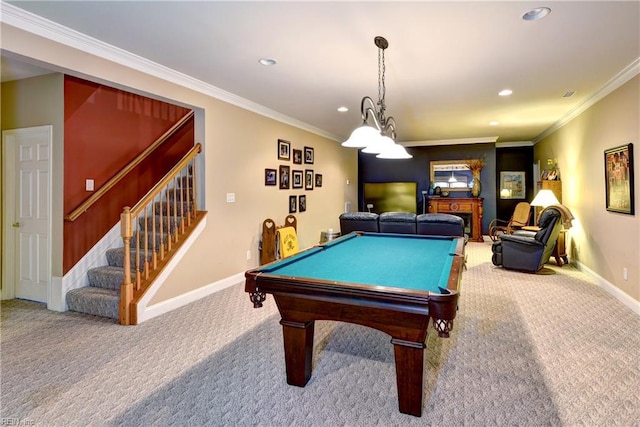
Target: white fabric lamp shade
544, 198
394, 152
380, 144
362, 137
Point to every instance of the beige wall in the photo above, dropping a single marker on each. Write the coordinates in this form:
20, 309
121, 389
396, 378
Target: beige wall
605, 242
38, 101
238, 146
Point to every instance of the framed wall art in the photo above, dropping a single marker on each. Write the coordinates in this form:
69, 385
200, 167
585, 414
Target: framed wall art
297, 176
318, 180
284, 150
302, 203
308, 179
297, 156
270, 176
308, 155
284, 177
512, 185
619, 181
292, 204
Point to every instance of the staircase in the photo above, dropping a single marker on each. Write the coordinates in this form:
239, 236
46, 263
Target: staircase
152, 232
102, 296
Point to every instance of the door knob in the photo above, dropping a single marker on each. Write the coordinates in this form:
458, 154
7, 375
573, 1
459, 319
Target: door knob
16, 224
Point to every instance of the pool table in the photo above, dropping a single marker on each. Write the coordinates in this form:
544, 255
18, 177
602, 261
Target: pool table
391, 282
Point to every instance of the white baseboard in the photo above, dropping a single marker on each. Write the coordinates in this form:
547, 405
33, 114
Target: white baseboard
611, 289
56, 300
182, 300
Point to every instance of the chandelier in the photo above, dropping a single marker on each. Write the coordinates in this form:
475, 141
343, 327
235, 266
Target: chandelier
380, 138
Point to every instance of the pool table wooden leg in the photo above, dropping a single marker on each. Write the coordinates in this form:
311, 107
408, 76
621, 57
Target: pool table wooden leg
409, 375
298, 350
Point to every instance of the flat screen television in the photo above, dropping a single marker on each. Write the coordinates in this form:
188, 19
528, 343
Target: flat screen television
391, 196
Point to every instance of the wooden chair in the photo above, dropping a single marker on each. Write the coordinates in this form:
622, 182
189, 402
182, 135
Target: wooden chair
268, 241
519, 219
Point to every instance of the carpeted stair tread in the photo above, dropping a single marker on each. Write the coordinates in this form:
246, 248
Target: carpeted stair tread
107, 277
155, 221
115, 257
159, 239
179, 210
179, 194
95, 301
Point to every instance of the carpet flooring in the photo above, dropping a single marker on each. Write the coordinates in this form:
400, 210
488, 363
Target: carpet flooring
548, 349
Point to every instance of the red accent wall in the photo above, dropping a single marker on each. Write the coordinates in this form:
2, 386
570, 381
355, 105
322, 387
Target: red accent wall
104, 129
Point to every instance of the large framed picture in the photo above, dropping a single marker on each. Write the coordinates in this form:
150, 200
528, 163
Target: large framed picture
618, 175
512, 185
284, 150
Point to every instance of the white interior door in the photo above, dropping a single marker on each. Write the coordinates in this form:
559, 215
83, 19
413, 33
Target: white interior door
28, 203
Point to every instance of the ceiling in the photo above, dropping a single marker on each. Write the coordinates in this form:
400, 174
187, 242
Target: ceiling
444, 67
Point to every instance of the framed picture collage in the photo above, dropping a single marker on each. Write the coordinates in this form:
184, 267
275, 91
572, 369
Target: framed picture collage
290, 176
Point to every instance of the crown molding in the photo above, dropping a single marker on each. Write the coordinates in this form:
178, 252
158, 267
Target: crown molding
627, 73
434, 142
511, 144
50, 30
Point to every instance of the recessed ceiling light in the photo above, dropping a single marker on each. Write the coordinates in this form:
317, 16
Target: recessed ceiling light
343, 109
569, 94
268, 62
494, 123
537, 13
505, 92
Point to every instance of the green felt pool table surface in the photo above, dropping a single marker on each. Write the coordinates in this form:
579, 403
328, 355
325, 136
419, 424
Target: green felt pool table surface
411, 262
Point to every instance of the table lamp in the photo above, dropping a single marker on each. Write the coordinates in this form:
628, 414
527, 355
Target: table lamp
543, 199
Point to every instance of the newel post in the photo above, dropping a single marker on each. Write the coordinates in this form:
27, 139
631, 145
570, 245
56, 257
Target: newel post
126, 290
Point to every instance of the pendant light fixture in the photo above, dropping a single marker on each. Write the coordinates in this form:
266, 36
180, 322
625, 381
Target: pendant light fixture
380, 137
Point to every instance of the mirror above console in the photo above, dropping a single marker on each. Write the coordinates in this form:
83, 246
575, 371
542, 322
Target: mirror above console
451, 175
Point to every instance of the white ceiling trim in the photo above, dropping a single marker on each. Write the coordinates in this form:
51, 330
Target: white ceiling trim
42, 27
433, 142
614, 83
512, 144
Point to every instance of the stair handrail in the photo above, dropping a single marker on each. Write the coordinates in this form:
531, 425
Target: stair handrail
84, 207
133, 287
156, 189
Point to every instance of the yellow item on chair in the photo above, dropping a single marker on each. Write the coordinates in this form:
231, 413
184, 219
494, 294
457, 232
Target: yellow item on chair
288, 241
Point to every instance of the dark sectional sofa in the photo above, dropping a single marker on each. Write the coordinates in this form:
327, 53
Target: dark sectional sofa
402, 222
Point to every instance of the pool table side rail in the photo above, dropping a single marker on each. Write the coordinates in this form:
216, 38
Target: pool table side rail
269, 283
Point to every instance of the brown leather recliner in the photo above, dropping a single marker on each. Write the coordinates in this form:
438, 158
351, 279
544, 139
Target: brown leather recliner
529, 251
